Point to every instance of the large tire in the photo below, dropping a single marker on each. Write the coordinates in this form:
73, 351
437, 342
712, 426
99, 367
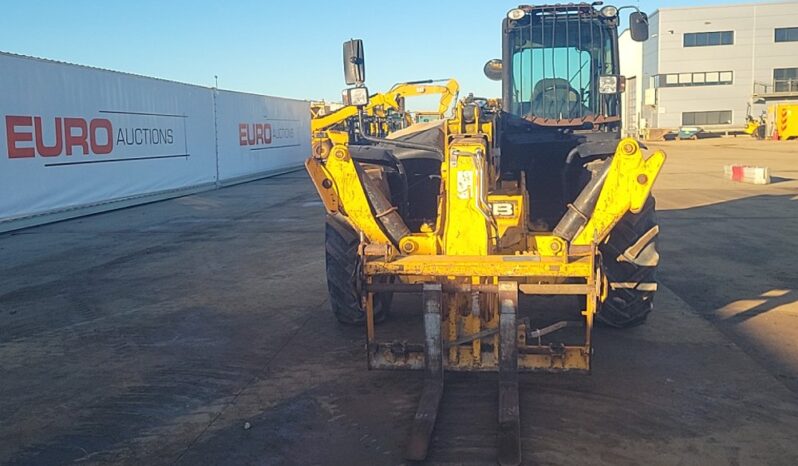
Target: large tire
341, 243
630, 260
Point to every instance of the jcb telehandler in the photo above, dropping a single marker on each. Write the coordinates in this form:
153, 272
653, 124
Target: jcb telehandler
533, 193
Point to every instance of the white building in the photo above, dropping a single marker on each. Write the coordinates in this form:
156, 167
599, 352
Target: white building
632, 68
710, 66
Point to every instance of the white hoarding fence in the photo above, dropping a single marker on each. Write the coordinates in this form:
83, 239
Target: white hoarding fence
260, 134
77, 137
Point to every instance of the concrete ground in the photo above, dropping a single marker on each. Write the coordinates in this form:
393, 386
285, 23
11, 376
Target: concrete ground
158, 334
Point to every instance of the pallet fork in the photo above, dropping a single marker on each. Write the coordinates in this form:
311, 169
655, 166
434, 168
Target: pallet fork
509, 441
500, 345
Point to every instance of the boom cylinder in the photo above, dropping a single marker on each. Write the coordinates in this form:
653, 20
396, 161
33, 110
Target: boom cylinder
582, 208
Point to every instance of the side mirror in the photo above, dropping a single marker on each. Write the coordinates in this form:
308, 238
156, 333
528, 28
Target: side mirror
638, 26
354, 62
493, 69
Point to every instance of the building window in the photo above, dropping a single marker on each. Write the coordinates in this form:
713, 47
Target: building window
786, 34
702, 78
785, 80
704, 39
721, 117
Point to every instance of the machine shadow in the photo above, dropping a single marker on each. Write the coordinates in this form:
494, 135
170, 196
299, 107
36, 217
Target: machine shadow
711, 235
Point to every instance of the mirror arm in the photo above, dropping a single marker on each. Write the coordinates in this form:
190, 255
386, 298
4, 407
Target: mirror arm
628, 7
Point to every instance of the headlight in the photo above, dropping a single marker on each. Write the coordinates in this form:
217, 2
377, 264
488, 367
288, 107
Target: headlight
609, 11
357, 96
608, 84
515, 14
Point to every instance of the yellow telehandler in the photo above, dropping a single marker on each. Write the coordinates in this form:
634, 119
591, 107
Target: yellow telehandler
533, 193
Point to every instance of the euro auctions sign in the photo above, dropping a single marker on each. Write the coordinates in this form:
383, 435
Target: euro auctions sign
260, 134
107, 136
74, 137
268, 134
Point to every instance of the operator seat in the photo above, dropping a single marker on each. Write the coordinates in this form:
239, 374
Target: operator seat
556, 98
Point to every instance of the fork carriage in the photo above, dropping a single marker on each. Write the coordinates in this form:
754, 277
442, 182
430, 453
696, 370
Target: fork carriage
471, 323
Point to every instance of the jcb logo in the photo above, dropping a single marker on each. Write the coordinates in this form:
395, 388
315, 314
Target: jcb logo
503, 209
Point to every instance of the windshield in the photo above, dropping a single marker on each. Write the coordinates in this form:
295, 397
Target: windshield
557, 58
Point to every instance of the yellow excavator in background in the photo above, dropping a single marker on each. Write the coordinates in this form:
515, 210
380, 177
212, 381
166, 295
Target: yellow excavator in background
389, 110
448, 92
383, 113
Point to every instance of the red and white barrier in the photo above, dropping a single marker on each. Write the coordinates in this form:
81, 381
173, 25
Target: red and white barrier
747, 174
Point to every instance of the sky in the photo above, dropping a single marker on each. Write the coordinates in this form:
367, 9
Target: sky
281, 48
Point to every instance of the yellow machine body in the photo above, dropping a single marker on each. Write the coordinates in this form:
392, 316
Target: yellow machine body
479, 240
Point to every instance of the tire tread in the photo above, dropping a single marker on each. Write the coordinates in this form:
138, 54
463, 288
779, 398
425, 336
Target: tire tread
628, 307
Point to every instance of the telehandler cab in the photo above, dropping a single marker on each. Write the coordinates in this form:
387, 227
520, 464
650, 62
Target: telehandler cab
533, 193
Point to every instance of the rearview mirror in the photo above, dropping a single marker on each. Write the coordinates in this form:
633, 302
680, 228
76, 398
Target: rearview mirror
354, 62
493, 69
638, 26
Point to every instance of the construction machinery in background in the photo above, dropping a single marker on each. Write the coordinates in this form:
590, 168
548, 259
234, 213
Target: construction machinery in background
534, 193
448, 89
778, 122
320, 108
384, 113
755, 127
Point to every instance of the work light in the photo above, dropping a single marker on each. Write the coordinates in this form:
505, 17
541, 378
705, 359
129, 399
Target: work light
515, 14
609, 11
357, 96
608, 84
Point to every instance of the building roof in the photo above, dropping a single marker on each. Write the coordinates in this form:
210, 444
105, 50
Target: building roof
721, 5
